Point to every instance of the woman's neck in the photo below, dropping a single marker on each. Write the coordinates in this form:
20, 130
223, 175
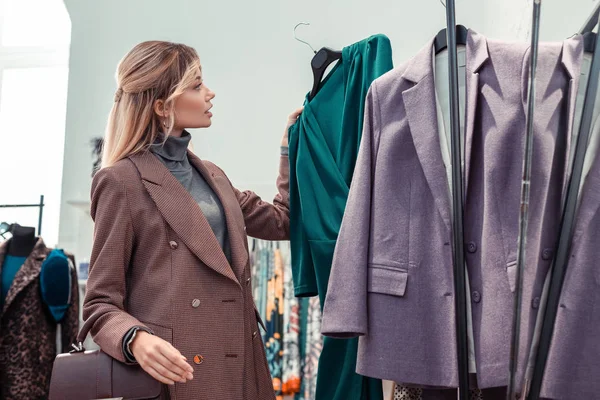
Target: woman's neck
176, 132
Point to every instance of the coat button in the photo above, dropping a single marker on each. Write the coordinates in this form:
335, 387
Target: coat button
536, 303
248, 281
547, 254
476, 296
254, 334
173, 244
472, 247
196, 303
198, 359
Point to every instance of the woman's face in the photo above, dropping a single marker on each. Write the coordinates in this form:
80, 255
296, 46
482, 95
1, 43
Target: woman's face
192, 108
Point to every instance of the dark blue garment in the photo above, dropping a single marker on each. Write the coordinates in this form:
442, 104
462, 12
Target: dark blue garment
10, 267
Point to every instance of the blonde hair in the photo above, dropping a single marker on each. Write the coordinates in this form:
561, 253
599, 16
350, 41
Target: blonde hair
150, 71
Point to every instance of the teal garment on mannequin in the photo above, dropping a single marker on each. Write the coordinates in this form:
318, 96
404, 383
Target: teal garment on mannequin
10, 267
323, 150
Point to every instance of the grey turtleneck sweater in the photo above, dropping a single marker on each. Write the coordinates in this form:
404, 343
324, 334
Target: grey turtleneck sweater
173, 155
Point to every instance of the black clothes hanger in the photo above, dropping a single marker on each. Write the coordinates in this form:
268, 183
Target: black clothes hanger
440, 43
323, 59
22, 242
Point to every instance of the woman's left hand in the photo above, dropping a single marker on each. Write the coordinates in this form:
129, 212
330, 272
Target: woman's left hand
291, 121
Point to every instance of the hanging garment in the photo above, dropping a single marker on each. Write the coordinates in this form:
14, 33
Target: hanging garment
573, 364
292, 364
314, 348
393, 259
274, 322
557, 83
323, 149
28, 330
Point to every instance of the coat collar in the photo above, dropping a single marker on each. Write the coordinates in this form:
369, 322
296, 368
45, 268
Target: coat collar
421, 67
27, 273
185, 217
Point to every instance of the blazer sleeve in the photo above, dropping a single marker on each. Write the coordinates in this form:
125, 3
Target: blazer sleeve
264, 220
345, 308
104, 306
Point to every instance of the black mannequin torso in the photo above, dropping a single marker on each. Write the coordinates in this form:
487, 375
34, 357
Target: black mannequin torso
22, 242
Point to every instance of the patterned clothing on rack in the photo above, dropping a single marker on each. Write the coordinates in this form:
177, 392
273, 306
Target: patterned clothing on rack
292, 363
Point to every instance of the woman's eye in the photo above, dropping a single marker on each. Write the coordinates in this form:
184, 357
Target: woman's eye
198, 87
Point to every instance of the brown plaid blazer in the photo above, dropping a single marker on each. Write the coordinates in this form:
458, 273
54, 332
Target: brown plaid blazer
156, 263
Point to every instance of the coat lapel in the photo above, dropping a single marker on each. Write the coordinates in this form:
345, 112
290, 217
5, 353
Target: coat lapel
419, 102
477, 55
27, 273
237, 239
182, 213
571, 59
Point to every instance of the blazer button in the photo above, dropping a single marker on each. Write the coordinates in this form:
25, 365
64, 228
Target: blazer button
476, 296
536, 303
173, 244
198, 359
547, 254
196, 303
254, 334
248, 281
472, 247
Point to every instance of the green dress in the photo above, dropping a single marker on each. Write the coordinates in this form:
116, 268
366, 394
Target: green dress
323, 150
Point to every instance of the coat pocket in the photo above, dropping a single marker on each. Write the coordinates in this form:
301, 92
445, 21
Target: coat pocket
386, 280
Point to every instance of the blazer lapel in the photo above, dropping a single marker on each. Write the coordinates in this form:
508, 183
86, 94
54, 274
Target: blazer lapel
182, 213
27, 273
477, 55
221, 186
419, 102
571, 59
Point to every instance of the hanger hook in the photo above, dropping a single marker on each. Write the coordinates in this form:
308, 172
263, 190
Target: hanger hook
300, 40
442, 2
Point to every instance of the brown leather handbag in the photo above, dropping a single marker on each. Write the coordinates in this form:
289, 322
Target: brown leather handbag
94, 375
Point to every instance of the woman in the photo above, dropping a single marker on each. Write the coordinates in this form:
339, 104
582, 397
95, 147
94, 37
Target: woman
169, 285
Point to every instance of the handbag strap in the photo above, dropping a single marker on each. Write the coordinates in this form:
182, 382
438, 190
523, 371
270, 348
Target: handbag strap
83, 332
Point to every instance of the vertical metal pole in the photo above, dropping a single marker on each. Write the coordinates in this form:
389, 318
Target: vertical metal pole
559, 267
41, 215
511, 393
457, 208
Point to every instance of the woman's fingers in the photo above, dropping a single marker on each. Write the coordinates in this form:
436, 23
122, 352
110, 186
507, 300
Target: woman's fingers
156, 375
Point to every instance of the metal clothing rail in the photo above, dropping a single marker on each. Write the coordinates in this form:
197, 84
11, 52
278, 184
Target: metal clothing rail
457, 209
41, 214
591, 22
559, 267
511, 393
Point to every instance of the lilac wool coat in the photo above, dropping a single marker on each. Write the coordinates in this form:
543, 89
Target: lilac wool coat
392, 280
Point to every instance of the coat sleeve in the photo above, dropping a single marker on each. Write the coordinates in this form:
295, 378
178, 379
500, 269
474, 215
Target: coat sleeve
104, 306
70, 325
264, 220
345, 308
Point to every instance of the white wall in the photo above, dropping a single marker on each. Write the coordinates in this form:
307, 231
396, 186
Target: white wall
259, 72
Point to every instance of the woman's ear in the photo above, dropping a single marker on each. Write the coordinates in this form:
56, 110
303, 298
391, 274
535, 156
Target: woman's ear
160, 109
